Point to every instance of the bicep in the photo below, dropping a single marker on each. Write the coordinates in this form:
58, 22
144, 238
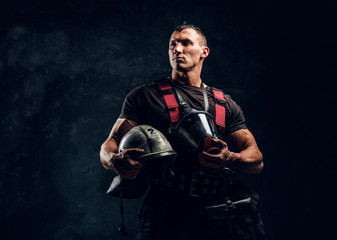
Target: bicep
242, 139
120, 128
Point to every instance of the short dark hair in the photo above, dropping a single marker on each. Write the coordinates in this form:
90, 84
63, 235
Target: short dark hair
186, 25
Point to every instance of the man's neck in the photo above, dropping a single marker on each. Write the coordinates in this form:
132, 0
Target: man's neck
188, 78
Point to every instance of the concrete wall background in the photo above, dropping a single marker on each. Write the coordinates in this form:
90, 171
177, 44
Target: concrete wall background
66, 66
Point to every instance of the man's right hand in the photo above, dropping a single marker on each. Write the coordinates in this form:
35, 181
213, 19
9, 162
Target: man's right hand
123, 163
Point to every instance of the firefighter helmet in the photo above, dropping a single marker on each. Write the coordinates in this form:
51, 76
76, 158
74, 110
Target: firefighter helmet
153, 142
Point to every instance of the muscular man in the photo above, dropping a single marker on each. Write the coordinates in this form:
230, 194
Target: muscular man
168, 212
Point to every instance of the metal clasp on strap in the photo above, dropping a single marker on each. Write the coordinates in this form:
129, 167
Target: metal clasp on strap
226, 209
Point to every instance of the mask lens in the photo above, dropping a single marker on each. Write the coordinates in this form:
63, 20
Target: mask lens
193, 128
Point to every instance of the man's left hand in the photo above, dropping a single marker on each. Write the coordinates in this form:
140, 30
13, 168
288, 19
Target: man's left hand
219, 159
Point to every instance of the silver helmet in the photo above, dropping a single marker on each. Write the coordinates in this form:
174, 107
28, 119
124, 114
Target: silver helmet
153, 142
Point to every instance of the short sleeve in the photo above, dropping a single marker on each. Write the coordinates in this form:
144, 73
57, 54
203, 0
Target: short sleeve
132, 105
235, 119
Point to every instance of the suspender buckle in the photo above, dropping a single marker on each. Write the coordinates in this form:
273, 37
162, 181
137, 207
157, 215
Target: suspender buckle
167, 91
171, 129
219, 101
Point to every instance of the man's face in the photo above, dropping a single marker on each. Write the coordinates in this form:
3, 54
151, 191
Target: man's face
186, 50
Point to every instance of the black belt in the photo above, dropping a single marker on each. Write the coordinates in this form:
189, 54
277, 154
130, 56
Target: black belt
197, 184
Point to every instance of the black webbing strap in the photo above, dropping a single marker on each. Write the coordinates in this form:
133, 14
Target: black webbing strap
183, 104
204, 93
122, 227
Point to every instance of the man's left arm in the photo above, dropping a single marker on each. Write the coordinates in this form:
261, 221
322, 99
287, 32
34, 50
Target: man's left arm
246, 159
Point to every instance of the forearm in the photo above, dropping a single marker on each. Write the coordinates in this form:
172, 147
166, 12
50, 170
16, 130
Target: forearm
121, 162
108, 148
248, 161
247, 157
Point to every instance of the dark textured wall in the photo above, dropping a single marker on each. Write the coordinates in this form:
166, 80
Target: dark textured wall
65, 68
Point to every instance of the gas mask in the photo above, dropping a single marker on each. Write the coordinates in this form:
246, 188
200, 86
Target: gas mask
196, 128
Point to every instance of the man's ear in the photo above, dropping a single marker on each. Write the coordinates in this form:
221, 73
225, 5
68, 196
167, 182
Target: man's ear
205, 52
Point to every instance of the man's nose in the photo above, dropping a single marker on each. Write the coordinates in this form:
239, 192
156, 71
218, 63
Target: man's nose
178, 48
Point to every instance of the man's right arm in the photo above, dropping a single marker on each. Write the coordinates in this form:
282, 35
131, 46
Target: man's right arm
120, 162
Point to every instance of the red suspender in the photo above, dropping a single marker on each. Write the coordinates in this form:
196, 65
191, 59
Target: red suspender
220, 111
173, 107
170, 100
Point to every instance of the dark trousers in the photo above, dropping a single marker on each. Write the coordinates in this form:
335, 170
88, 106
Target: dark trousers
182, 218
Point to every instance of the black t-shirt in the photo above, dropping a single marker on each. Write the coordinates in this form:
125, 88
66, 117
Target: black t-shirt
146, 105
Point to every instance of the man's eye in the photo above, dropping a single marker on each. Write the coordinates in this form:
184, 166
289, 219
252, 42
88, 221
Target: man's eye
186, 43
172, 44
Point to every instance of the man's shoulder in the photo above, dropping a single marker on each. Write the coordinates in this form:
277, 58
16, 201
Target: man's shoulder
154, 84
145, 89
